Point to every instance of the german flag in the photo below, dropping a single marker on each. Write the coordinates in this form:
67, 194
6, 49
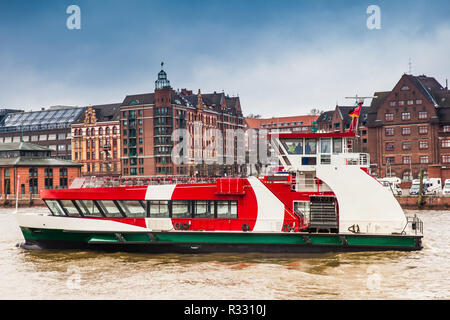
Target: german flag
355, 113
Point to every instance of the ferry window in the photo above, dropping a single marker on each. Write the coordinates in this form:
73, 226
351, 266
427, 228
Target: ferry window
70, 208
54, 207
337, 145
226, 209
204, 209
88, 208
294, 146
159, 209
180, 209
109, 208
309, 161
325, 146
132, 208
310, 146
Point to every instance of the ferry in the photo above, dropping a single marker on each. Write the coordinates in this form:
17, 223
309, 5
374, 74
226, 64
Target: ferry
324, 200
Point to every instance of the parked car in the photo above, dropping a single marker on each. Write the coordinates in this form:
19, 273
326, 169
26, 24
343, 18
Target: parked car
446, 189
429, 186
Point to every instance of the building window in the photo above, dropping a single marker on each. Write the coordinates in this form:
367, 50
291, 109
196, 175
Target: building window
445, 158
446, 143
392, 103
423, 130
423, 115
389, 131
446, 129
406, 131
389, 116
423, 159
423, 145
406, 116
390, 146
407, 160
418, 101
390, 160
410, 102
401, 103
407, 145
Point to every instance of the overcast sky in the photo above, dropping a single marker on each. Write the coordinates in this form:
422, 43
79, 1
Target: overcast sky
281, 57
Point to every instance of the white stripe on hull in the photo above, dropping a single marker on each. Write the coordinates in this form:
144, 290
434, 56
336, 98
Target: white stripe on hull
270, 214
160, 192
74, 224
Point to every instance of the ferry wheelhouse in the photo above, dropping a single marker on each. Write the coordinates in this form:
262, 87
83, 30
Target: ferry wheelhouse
324, 200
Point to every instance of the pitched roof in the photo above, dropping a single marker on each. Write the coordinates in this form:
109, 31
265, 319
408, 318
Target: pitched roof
145, 98
36, 162
22, 146
104, 112
326, 116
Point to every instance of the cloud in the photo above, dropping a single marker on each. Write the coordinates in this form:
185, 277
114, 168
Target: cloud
277, 80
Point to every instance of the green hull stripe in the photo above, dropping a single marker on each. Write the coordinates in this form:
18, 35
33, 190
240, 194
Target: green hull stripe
232, 238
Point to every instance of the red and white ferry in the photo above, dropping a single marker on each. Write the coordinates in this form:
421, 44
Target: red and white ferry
324, 201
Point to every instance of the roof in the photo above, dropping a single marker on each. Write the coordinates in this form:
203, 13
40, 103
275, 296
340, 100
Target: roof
213, 101
104, 112
426, 85
305, 120
22, 146
43, 117
326, 116
145, 98
37, 162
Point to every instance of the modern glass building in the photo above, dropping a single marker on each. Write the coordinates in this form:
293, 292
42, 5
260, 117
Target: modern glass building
48, 127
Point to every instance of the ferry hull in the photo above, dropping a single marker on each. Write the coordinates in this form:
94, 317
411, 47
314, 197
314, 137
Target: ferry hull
210, 242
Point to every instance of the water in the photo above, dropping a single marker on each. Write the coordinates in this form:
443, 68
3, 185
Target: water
98, 275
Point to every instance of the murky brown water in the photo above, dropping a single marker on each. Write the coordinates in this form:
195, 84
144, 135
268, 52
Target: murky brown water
97, 275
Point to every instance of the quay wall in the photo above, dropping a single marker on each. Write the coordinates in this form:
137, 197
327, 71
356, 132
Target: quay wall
431, 202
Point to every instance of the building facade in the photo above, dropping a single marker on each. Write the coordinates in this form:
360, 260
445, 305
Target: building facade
304, 123
48, 127
148, 121
28, 168
96, 141
409, 129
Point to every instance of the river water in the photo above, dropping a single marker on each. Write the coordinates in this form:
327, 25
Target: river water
98, 275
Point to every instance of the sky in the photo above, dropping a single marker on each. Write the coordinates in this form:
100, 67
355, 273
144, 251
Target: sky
280, 57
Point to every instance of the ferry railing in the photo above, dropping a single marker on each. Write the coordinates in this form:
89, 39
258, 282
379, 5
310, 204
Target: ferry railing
103, 182
416, 224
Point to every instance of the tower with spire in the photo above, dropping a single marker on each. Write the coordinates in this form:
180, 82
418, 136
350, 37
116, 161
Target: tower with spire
163, 90
162, 82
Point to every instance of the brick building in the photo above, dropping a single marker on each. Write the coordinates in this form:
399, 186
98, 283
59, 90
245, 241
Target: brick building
148, 120
33, 168
283, 124
409, 129
96, 140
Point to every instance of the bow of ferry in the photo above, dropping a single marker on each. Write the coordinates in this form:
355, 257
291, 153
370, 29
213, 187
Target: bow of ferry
323, 201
